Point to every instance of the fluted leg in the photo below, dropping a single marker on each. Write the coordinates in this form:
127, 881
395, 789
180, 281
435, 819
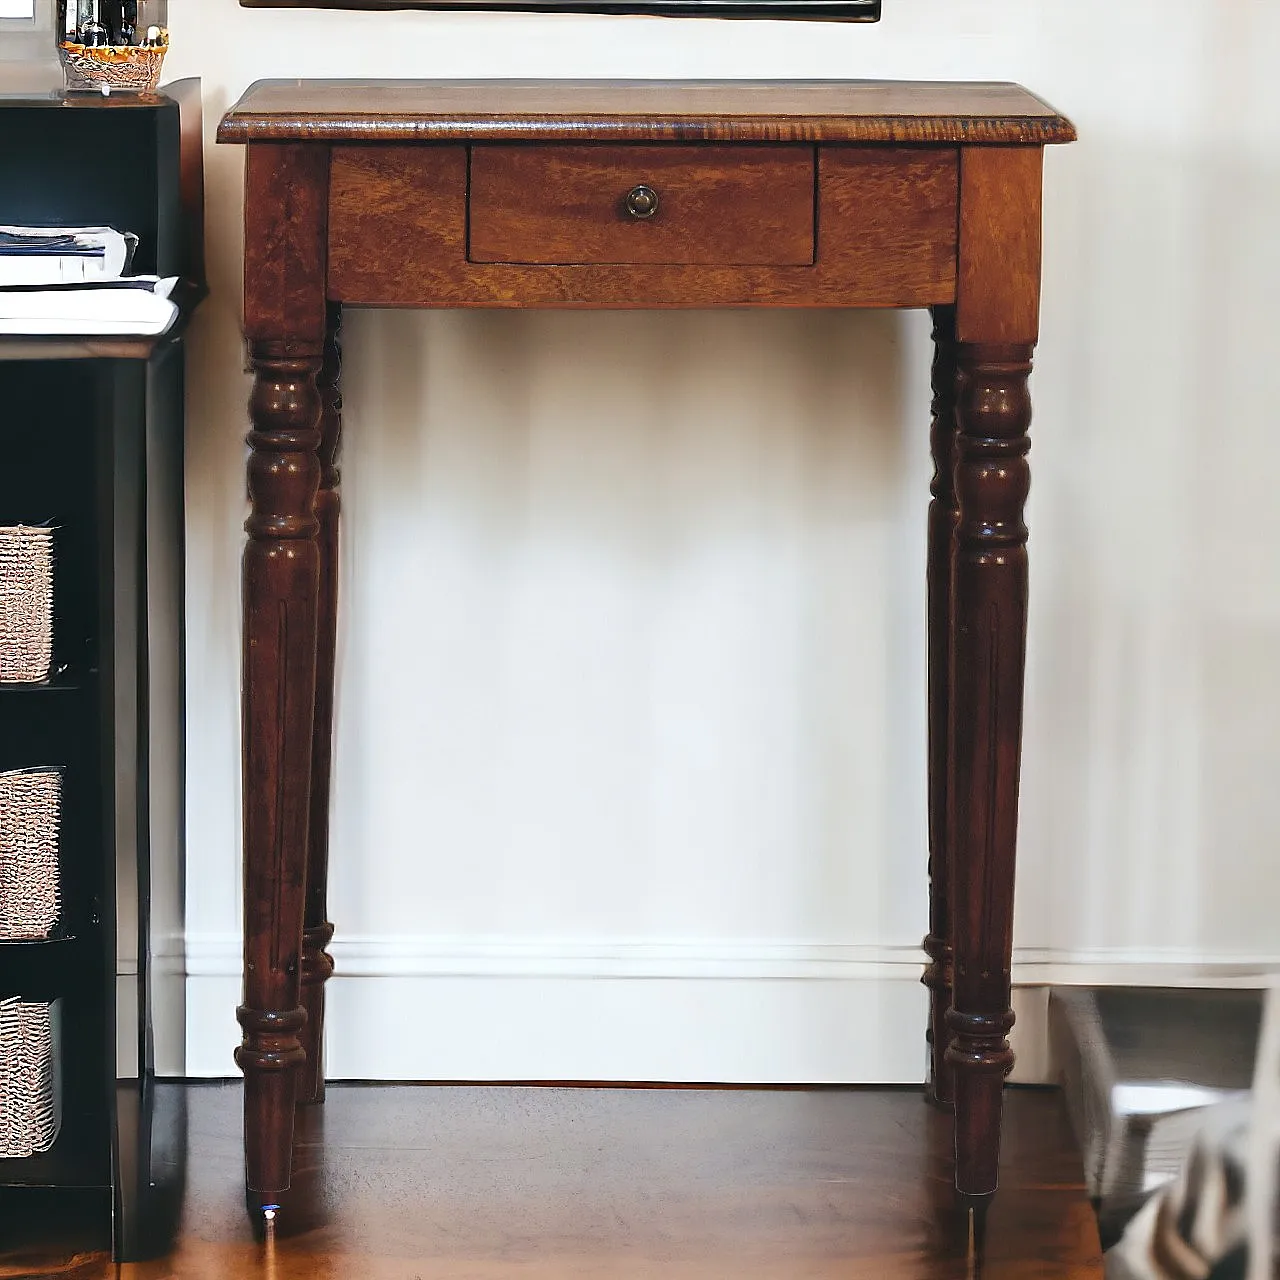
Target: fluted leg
942, 524
317, 965
988, 641
281, 580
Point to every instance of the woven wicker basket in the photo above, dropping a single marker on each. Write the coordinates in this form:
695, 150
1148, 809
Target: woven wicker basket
30, 883
30, 1092
26, 602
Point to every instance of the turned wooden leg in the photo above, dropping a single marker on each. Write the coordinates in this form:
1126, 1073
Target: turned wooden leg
988, 642
942, 525
281, 580
286, 237
317, 965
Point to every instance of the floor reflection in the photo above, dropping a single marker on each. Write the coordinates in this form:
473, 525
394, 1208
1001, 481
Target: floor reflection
482, 1183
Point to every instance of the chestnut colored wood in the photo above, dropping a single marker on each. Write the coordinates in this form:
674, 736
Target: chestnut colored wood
998, 292
317, 964
496, 1183
358, 193
886, 237
988, 642
863, 111
717, 205
286, 194
997, 320
942, 527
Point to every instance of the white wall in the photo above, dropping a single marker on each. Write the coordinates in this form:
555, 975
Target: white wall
630, 740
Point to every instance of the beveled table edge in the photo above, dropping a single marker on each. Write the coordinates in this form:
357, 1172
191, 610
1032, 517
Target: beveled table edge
245, 124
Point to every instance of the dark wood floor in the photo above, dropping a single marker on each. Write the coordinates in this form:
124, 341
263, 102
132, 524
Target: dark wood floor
499, 1183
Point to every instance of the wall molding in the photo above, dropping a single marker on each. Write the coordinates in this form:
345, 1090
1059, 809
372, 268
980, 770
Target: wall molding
695, 1010
427, 956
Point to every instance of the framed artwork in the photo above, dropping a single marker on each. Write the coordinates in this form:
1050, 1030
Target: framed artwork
832, 10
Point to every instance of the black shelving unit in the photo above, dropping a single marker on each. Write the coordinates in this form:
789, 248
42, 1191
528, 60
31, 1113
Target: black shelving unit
91, 440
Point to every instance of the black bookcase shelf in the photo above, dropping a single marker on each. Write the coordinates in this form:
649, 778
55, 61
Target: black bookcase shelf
91, 437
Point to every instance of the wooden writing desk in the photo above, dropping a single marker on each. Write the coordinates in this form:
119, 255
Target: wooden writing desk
640, 194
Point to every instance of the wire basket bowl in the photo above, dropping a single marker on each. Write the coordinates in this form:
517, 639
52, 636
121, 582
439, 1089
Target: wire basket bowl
30, 879
26, 603
134, 69
30, 1089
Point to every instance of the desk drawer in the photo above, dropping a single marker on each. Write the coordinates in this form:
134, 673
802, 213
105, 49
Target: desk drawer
710, 206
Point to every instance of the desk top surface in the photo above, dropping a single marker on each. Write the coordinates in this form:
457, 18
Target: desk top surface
871, 111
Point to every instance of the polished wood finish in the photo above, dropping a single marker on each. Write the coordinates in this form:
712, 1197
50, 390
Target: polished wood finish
493, 1183
998, 292
997, 321
285, 323
941, 535
717, 205
317, 964
389, 194
886, 237
860, 111
988, 640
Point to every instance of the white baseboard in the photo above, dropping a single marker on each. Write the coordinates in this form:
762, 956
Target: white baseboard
422, 1008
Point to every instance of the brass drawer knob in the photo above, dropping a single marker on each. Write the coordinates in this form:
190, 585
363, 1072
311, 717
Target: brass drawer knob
642, 201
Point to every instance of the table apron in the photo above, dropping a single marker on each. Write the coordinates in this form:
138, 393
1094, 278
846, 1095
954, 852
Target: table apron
884, 234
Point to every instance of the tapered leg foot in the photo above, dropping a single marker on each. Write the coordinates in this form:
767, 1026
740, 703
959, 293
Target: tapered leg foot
270, 1057
981, 1067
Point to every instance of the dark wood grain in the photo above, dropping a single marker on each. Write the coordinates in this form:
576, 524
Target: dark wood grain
886, 237
997, 320
717, 205
998, 292
285, 316
548, 1184
317, 964
864, 111
988, 643
286, 232
358, 194
941, 535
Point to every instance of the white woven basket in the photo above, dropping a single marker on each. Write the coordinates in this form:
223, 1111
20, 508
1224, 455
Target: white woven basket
30, 882
26, 603
30, 1092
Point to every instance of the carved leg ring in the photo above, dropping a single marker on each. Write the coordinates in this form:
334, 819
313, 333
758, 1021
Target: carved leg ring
988, 641
281, 579
942, 523
317, 965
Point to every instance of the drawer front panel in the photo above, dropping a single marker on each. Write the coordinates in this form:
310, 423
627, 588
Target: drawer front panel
710, 206
886, 237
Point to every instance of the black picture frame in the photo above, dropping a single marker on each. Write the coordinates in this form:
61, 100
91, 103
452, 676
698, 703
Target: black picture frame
828, 10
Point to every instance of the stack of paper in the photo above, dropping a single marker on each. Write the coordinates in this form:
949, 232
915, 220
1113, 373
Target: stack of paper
71, 280
137, 305
63, 255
